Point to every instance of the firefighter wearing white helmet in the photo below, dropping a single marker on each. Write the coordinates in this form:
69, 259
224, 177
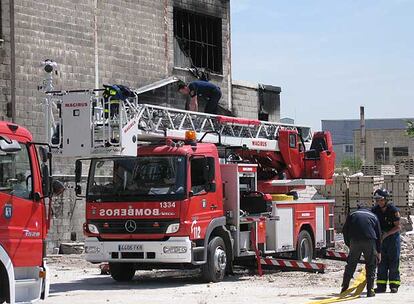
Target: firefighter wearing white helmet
389, 218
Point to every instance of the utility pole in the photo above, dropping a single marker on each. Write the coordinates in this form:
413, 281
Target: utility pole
362, 135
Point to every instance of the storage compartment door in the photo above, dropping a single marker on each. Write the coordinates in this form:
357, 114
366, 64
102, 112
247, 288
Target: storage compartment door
284, 230
320, 227
76, 118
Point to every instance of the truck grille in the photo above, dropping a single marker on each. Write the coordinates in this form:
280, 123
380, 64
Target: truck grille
132, 226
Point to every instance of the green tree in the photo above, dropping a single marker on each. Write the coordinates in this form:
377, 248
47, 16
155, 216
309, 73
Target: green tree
410, 128
354, 164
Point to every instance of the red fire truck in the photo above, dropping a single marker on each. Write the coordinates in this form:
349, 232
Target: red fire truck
24, 222
169, 188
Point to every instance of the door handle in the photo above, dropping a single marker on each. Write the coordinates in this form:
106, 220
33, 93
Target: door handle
213, 207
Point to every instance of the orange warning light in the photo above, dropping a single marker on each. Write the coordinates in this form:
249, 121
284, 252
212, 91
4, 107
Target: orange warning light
190, 136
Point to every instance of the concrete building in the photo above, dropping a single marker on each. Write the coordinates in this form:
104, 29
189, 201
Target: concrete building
127, 42
385, 146
346, 142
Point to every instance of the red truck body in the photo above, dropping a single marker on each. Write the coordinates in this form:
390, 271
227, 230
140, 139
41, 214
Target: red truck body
23, 219
132, 232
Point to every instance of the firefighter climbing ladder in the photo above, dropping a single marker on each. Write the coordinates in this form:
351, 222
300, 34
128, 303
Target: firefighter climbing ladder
107, 130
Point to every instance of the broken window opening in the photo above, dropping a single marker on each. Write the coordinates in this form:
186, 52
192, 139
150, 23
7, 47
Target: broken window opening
198, 41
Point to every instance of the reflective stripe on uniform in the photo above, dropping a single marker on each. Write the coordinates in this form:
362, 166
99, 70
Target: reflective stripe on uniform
381, 282
394, 282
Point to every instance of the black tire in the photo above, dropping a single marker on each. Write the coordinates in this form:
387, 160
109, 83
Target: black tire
4, 286
215, 268
122, 272
304, 247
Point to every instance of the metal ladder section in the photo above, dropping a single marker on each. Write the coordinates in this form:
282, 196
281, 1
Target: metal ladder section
86, 124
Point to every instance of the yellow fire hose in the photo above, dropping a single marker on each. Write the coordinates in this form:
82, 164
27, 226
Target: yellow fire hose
353, 292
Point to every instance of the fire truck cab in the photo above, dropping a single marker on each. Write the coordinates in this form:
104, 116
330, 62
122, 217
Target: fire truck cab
24, 187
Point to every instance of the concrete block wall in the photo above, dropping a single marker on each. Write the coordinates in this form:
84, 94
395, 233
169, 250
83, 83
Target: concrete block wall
135, 48
5, 77
245, 100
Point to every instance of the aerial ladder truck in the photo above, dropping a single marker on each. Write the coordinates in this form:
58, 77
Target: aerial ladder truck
170, 188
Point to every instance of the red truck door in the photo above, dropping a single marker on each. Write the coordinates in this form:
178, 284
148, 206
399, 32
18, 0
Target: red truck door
204, 205
292, 155
21, 218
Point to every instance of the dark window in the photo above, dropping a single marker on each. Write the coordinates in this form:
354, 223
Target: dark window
16, 173
400, 151
381, 155
202, 172
198, 38
144, 178
292, 140
349, 149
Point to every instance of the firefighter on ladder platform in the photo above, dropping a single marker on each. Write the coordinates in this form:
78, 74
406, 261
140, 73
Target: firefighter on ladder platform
389, 218
113, 94
362, 234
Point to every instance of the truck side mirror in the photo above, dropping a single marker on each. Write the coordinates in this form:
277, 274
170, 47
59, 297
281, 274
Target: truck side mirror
44, 154
78, 171
57, 187
78, 177
78, 190
45, 180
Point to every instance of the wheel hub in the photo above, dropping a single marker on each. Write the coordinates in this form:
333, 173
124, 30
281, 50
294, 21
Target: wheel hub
220, 259
305, 250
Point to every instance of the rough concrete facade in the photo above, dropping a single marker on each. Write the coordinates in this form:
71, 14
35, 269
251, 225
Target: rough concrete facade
251, 99
96, 42
384, 139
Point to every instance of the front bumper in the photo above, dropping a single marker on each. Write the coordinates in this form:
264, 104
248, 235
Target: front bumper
141, 252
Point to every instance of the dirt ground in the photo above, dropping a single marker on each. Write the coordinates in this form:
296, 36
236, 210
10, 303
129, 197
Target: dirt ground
77, 281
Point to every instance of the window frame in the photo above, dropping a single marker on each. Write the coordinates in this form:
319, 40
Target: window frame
383, 160
212, 27
348, 148
292, 140
396, 148
209, 160
26, 147
131, 198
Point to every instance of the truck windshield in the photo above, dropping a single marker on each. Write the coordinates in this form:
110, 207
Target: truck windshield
15, 173
140, 178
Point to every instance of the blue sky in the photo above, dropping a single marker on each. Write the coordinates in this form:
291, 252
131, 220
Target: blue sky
329, 57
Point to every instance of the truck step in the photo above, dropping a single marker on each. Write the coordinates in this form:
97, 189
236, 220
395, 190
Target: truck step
26, 282
28, 290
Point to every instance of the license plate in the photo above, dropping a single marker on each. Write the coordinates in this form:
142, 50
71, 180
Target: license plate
129, 247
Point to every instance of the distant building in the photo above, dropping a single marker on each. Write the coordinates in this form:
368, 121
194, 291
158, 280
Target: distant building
380, 134
385, 146
287, 120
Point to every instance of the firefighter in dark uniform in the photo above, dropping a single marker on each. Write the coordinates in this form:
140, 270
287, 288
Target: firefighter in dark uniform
362, 234
389, 218
113, 94
201, 89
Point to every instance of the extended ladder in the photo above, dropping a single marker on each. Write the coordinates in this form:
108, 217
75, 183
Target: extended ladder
83, 123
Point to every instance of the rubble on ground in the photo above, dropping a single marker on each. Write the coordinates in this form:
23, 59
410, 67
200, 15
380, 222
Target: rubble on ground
407, 247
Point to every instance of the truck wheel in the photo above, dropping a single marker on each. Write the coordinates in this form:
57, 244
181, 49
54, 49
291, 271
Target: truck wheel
304, 247
122, 272
215, 268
